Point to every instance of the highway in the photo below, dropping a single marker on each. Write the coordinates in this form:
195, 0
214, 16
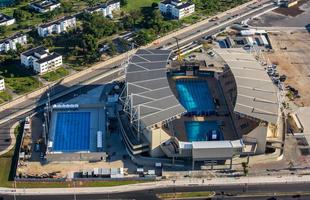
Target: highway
209, 28
253, 192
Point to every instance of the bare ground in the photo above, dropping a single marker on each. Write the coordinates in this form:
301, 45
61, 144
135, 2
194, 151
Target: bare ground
292, 55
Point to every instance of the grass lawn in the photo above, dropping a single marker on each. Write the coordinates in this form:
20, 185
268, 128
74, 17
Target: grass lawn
21, 85
137, 4
6, 163
108, 183
17, 78
5, 96
55, 75
77, 184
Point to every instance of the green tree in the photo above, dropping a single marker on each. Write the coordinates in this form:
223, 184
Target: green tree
145, 36
89, 43
124, 44
135, 16
245, 168
124, 2
3, 30
47, 42
98, 26
20, 14
112, 48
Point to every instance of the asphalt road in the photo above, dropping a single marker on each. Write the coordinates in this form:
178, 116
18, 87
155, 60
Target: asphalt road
222, 192
4, 128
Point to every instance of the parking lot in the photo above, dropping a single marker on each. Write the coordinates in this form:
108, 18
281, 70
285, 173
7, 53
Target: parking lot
296, 16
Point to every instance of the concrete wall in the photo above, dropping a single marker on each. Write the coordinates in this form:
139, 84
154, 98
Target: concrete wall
158, 136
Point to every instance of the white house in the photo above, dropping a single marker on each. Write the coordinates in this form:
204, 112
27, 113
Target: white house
10, 43
176, 9
106, 9
45, 5
57, 27
6, 20
41, 60
2, 85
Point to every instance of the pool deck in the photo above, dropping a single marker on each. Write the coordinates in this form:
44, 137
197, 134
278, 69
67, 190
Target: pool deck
226, 127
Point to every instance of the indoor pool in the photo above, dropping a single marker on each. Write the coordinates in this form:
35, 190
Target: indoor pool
72, 132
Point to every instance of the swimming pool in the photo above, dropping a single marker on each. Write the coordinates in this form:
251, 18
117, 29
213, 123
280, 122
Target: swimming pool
72, 132
203, 131
195, 96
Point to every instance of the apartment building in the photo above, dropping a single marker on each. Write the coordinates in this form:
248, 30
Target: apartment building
106, 9
45, 6
10, 43
176, 9
57, 27
41, 60
6, 20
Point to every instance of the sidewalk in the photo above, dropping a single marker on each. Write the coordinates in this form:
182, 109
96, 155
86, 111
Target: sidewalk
242, 181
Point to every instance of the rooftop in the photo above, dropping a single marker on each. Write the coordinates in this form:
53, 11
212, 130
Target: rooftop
6, 40
256, 93
49, 57
104, 5
148, 84
56, 22
44, 4
4, 18
30, 52
181, 6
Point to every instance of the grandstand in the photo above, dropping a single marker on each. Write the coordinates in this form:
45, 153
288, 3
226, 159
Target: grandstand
192, 111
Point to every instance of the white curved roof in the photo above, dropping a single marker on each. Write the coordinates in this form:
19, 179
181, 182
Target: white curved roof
256, 94
146, 78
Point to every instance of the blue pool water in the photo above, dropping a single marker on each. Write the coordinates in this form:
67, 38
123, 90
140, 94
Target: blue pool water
72, 132
202, 131
195, 96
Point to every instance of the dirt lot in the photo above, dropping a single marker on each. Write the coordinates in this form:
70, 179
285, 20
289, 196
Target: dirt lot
292, 11
291, 53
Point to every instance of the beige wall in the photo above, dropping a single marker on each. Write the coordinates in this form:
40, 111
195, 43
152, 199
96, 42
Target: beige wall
155, 137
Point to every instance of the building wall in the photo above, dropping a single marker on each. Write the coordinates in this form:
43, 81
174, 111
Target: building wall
175, 12
57, 28
213, 153
26, 61
44, 10
2, 85
158, 136
8, 22
47, 66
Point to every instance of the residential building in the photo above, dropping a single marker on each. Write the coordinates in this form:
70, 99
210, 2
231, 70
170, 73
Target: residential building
6, 20
106, 9
176, 9
2, 85
45, 6
56, 27
41, 60
10, 43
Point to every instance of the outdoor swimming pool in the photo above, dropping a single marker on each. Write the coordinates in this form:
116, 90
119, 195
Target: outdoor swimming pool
203, 131
72, 132
195, 96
